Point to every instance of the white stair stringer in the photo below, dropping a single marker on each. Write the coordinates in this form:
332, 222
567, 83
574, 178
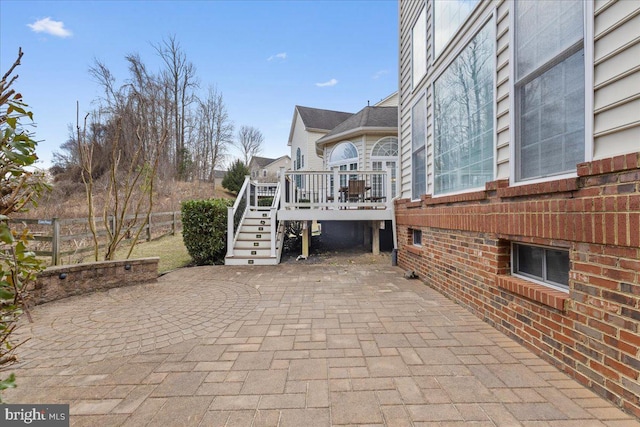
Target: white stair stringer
252, 245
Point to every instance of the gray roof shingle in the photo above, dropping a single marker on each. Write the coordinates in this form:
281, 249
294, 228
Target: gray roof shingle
373, 117
317, 118
261, 162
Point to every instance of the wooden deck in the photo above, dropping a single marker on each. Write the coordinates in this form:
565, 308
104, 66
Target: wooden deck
336, 196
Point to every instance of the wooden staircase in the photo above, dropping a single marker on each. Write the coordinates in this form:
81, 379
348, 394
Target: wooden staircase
252, 245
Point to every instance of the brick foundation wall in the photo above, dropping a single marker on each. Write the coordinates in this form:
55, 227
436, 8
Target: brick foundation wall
592, 333
59, 282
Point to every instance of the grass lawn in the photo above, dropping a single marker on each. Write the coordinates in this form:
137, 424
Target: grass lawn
170, 249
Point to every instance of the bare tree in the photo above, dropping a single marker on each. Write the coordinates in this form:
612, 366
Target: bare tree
180, 79
249, 142
215, 133
152, 108
143, 111
125, 142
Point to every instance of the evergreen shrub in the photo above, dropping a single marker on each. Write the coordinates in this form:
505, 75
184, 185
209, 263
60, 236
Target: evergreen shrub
204, 230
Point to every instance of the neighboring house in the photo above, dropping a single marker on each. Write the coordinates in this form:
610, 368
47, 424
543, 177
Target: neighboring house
520, 174
350, 191
264, 169
218, 175
216, 178
389, 101
309, 125
366, 140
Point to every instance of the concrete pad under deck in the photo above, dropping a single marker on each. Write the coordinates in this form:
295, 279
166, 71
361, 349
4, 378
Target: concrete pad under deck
289, 345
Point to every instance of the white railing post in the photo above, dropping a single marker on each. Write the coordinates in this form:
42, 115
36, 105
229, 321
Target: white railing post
388, 193
231, 213
256, 189
292, 190
247, 179
336, 188
283, 187
274, 226
275, 204
230, 234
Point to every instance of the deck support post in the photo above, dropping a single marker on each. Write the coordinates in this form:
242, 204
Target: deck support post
367, 232
305, 239
375, 240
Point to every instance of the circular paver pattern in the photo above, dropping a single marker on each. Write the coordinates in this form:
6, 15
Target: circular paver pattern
129, 320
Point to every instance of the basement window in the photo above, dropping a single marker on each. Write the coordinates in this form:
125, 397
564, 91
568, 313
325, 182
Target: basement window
417, 237
548, 266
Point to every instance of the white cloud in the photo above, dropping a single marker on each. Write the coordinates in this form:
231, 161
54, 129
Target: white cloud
379, 74
49, 26
281, 55
331, 82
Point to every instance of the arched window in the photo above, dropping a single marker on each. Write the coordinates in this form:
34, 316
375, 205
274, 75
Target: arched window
344, 153
344, 156
386, 147
384, 154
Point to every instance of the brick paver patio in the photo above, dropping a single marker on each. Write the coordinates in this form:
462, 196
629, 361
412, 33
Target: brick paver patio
290, 345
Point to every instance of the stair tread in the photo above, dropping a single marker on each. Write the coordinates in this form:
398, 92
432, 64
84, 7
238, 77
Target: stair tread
250, 257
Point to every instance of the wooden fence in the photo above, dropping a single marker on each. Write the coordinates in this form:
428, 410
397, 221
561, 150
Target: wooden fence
57, 238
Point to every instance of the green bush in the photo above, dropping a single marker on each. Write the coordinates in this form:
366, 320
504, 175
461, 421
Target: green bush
265, 201
204, 230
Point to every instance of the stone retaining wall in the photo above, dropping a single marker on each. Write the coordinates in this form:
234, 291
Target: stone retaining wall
64, 281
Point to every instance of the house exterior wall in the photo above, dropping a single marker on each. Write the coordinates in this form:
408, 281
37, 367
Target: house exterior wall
306, 141
389, 101
592, 331
273, 169
314, 161
616, 78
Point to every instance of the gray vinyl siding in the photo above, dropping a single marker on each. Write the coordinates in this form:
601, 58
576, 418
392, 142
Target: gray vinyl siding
616, 78
409, 94
502, 94
409, 11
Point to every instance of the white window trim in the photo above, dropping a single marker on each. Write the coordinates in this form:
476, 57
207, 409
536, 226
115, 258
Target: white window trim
413, 237
533, 279
450, 41
415, 84
385, 159
417, 99
588, 43
378, 142
296, 163
345, 161
491, 18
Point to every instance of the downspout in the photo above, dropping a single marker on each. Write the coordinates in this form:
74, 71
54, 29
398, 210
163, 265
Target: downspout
399, 172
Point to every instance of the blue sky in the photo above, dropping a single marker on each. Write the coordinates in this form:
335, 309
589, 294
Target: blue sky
264, 56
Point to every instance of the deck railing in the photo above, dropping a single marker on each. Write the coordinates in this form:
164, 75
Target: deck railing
275, 205
336, 189
236, 212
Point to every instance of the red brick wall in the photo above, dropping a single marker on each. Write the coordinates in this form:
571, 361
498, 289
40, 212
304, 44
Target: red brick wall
593, 332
